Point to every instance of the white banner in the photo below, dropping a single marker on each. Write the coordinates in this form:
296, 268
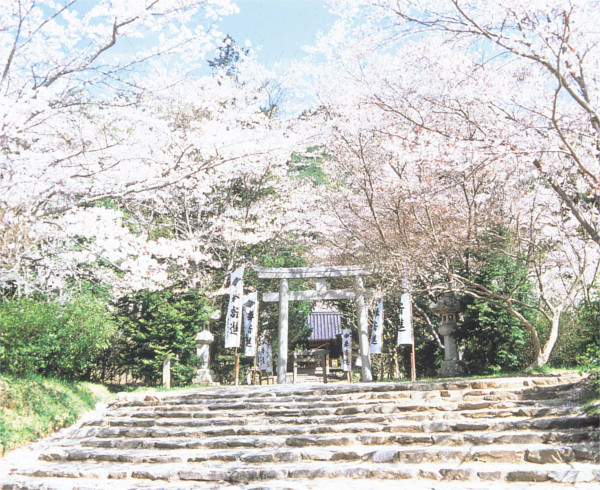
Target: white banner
377, 333
405, 335
265, 358
346, 350
234, 310
250, 323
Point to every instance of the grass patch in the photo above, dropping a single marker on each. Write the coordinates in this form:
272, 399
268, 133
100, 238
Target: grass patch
546, 370
590, 399
34, 406
557, 369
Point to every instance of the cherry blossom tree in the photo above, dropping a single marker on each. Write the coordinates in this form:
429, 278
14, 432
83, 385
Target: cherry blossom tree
533, 66
105, 112
74, 130
453, 118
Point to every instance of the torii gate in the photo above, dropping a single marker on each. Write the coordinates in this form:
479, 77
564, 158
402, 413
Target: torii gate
320, 293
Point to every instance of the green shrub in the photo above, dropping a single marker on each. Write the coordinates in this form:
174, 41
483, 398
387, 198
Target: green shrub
493, 339
53, 339
578, 343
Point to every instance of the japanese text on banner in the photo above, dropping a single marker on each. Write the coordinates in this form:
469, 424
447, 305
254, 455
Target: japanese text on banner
234, 310
265, 358
405, 335
377, 333
346, 350
250, 323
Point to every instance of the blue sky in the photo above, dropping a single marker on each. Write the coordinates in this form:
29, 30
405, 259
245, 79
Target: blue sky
277, 29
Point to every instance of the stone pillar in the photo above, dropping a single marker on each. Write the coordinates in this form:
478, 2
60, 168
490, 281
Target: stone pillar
325, 364
363, 330
204, 375
295, 371
448, 308
166, 375
284, 299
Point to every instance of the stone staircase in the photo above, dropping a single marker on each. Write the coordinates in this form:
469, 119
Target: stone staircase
485, 433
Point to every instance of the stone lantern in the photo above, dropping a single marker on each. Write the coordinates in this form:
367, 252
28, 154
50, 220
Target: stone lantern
204, 375
448, 308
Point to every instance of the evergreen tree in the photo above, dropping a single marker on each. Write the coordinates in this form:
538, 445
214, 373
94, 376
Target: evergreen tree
228, 56
157, 324
493, 339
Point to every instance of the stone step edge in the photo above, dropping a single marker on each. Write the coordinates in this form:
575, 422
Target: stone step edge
385, 422
287, 484
391, 419
552, 436
366, 439
515, 410
407, 406
342, 388
380, 408
337, 451
536, 392
428, 426
236, 473
153, 399
115, 482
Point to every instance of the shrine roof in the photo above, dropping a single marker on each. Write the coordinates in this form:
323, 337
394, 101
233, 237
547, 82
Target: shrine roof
325, 325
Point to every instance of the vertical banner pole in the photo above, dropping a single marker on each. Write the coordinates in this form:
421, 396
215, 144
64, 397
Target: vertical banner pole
254, 371
413, 371
406, 291
413, 362
237, 367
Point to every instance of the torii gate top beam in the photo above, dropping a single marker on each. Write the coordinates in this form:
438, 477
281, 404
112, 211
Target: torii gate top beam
310, 272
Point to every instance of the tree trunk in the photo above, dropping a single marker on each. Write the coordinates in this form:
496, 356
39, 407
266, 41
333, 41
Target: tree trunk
552, 338
538, 359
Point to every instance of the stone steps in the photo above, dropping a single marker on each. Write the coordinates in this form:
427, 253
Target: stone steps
349, 403
233, 473
391, 423
351, 408
293, 484
378, 415
521, 432
311, 409
320, 392
332, 449
196, 441
329, 398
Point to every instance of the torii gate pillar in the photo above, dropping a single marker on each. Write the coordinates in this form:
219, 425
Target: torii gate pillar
321, 293
284, 299
363, 329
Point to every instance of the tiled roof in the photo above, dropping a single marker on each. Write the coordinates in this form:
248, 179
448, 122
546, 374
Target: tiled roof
325, 325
